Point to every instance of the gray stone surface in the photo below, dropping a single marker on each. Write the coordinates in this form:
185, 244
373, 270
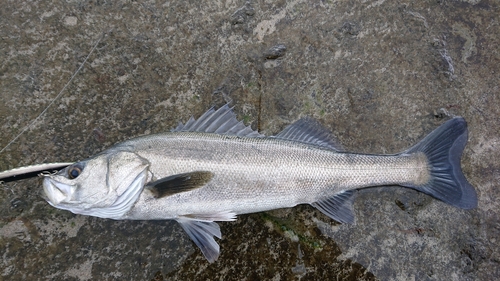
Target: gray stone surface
380, 74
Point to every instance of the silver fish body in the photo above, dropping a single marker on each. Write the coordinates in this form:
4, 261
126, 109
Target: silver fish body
259, 174
215, 168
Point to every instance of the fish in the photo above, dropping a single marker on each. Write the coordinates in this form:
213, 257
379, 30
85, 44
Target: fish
213, 168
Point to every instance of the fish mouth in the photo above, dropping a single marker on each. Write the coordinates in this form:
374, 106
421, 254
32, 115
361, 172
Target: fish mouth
56, 192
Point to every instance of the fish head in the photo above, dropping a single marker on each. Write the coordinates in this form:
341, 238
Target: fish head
105, 186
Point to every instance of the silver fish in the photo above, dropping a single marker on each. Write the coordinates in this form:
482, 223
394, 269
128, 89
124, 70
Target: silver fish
215, 168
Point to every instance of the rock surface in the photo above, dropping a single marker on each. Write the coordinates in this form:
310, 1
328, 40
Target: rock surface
379, 74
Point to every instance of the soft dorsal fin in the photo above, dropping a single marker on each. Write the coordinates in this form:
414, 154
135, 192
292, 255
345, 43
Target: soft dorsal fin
179, 183
221, 121
308, 130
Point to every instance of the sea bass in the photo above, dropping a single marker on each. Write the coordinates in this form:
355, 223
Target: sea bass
214, 168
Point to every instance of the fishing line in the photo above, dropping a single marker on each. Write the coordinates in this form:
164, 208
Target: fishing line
58, 95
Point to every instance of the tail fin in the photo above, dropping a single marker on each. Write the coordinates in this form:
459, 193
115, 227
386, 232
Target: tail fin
443, 148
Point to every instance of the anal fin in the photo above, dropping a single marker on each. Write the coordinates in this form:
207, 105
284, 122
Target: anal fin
339, 207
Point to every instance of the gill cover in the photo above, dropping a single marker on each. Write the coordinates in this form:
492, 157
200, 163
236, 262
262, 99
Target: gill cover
104, 186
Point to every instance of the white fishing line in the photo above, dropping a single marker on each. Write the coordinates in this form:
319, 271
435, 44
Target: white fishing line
57, 97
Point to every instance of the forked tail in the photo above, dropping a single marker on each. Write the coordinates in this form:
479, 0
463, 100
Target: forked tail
443, 148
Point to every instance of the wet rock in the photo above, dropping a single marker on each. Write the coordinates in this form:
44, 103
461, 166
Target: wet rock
242, 14
275, 52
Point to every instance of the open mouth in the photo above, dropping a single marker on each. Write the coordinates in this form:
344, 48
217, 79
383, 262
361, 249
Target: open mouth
56, 192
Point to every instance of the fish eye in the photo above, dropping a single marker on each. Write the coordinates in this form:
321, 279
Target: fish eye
74, 171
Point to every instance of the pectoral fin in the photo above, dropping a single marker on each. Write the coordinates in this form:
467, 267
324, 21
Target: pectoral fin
338, 207
179, 183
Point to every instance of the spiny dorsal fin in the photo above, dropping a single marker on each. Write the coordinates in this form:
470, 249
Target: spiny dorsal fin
221, 121
179, 183
308, 130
